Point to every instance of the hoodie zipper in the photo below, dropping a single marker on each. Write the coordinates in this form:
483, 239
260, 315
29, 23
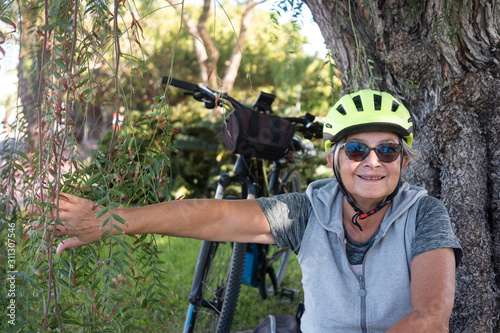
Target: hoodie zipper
361, 291
362, 294
362, 288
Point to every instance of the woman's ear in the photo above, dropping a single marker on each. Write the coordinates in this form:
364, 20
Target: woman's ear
406, 160
329, 158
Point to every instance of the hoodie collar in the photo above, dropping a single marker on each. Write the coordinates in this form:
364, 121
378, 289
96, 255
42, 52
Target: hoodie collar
326, 200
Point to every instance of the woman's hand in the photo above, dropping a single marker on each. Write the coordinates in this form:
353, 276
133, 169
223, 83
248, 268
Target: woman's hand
77, 218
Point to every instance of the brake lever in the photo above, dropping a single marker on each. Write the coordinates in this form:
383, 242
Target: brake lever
209, 104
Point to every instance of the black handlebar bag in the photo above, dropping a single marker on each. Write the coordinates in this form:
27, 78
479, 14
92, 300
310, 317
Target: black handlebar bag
255, 134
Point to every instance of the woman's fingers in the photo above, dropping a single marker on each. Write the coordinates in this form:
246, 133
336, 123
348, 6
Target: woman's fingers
70, 202
34, 210
76, 217
42, 210
69, 244
66, 202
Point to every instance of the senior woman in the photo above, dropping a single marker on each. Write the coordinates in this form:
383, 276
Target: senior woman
376, 254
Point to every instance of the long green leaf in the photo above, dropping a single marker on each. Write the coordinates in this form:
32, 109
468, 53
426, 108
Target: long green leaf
101, 213
93, 179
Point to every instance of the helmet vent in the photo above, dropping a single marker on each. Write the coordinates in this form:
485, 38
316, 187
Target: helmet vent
341, 110
395, 106
357, 102
377, 102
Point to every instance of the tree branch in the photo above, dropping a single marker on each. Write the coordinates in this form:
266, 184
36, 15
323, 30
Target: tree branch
213, 53
237, 52
199, 48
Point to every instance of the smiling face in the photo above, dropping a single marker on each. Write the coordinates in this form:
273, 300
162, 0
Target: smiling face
369, 181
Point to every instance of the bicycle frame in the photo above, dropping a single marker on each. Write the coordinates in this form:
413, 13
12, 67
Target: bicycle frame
257, 265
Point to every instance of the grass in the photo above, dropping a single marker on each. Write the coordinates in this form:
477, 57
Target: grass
180, 257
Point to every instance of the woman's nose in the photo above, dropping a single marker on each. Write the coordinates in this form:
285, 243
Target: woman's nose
372, 159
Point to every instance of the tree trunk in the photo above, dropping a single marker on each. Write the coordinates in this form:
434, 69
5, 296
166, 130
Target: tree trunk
28, 100
443, 62
235, 60
206, 51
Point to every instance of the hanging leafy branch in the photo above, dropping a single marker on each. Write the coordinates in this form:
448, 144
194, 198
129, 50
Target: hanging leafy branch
89, 288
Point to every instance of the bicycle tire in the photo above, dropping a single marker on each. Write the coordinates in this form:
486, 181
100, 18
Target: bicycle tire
216, 287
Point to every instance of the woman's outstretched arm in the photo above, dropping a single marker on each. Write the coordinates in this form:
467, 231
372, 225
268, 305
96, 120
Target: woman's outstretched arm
207, 219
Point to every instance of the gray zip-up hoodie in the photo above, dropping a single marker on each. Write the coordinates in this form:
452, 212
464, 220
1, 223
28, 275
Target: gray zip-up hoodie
336, 299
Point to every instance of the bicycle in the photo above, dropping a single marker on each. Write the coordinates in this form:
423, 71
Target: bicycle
222, 267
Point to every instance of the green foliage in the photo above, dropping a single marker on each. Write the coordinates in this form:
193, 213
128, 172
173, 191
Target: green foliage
201, 153
288, 6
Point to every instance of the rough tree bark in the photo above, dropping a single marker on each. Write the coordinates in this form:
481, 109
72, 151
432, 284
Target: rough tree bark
451, 51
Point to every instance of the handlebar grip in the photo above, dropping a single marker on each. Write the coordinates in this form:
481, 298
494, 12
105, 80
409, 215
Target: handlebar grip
180, 84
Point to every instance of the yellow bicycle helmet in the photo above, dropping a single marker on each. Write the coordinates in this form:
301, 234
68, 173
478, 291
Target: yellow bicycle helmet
367, 110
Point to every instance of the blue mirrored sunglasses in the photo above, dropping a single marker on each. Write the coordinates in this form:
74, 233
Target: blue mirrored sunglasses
358, 151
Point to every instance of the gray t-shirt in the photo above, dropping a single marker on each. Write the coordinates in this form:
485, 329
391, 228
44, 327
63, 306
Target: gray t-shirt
289, 213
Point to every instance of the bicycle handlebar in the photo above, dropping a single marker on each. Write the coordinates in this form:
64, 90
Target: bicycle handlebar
204, 94
309, 129
179, 84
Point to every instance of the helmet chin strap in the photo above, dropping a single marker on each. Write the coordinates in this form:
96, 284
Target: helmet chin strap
359, 213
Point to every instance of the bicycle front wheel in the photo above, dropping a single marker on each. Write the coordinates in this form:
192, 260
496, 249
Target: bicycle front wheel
216, 287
